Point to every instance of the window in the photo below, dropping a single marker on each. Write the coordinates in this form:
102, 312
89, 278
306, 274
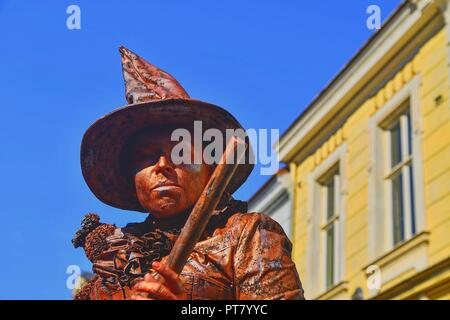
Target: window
396, 205
325, 256
330, 217
399, 175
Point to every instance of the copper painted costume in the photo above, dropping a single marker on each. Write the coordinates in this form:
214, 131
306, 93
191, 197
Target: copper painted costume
240, 255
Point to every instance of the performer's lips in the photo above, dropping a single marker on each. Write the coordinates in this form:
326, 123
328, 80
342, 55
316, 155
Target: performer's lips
165, 186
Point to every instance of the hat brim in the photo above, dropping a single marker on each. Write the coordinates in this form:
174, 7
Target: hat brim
103, 143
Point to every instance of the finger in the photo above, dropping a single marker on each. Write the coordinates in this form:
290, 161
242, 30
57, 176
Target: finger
171, 277
154, 276
148, 277
138, 297
156, 290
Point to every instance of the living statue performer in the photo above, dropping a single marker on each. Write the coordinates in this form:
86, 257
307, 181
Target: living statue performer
126, 160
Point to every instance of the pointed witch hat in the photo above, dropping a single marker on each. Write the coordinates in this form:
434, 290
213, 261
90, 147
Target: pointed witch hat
155, 99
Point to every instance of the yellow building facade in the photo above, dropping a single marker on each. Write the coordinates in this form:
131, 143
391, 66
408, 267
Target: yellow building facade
370, 166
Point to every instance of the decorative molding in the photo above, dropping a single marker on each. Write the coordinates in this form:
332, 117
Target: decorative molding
430, 282
400, 250
335, 292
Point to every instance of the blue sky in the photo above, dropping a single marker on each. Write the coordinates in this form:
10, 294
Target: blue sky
262, 60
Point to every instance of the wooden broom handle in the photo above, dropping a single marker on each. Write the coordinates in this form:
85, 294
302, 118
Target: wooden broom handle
206, 204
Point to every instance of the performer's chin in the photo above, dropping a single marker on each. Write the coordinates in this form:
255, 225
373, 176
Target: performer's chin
167, 202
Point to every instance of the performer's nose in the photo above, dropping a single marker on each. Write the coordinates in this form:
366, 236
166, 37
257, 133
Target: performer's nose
163, 165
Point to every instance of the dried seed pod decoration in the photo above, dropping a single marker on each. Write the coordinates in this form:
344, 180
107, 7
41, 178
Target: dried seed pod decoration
96, 242
145, 82
92, 236
89, 223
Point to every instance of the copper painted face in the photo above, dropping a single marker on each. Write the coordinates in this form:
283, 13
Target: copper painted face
163, 188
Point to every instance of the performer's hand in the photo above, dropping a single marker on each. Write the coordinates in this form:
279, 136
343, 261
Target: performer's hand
170, 288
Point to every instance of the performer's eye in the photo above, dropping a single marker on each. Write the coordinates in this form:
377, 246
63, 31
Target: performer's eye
149, 159
144, 161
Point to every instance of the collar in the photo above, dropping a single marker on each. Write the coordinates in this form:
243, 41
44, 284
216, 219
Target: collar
226, 207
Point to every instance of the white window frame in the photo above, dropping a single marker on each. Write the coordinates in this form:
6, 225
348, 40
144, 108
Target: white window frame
380, 203
315, 278
406, 160
333, 221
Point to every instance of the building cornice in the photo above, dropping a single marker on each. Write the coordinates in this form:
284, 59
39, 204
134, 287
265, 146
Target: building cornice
439, 271
381, 49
